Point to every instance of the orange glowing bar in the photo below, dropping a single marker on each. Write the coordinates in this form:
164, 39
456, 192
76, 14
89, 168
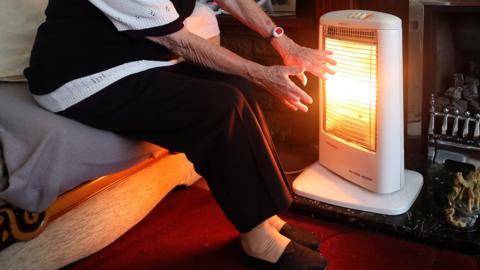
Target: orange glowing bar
350, 101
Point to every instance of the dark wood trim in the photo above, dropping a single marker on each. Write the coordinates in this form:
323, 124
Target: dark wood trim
316, 8
332, 5
429, 37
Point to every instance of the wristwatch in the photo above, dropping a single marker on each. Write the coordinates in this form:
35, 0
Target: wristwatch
276, 33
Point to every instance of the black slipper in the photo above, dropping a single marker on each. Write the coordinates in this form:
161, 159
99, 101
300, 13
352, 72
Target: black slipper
294, 257
298, 257
301, 236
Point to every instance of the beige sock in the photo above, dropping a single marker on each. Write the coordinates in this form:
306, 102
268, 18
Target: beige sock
264, 242
276, 222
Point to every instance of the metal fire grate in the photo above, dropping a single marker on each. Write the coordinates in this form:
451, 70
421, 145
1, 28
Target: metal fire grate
453, 129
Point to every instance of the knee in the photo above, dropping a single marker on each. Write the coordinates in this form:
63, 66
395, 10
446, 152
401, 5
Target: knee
227, 99
244, 86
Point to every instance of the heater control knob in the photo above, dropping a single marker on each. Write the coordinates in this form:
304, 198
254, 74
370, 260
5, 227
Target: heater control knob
359, 15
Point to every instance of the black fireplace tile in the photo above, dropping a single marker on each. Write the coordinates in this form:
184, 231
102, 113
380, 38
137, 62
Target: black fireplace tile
424, 222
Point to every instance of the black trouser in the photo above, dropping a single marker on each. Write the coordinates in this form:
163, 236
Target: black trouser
210, 116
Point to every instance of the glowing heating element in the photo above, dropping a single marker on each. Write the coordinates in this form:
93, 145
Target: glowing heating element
351, 94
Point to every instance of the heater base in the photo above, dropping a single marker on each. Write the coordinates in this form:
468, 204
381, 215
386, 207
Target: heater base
320, 184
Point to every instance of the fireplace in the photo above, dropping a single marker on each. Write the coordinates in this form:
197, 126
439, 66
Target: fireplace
451, 80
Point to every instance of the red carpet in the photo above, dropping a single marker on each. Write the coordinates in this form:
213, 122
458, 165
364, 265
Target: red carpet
187, 230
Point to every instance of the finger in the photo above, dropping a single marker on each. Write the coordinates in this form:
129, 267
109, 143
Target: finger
320, 72
297, 92
289, 105
320, 67
303, 78
293, 70
294, 91
302, 107
329, 60
297, 104
325, 52
327, 69
293, 96
325, 58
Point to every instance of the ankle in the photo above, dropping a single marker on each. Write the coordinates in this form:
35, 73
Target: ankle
264, 242
276, 222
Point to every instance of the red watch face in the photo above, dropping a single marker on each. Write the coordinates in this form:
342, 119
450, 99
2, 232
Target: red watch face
277, 32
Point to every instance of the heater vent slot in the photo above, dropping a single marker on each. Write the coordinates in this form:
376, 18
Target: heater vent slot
350, 96
352, 34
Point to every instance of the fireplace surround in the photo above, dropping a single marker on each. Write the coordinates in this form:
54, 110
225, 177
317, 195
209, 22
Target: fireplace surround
451, 75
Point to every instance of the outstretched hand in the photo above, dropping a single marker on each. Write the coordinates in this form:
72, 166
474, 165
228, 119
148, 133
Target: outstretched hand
297, 59
314, 61
275, 79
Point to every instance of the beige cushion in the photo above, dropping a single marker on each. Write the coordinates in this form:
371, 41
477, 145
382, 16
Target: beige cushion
19, 20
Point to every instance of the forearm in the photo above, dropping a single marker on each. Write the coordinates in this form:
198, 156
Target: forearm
251, 15
274, 79
202, 52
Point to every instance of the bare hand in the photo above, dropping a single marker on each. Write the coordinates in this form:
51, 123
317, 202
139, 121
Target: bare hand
314, 61
275, 79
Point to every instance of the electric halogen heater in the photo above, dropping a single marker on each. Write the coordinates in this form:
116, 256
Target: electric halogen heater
361, 154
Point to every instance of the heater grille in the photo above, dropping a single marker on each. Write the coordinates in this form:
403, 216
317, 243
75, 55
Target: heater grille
350, 96
363, 35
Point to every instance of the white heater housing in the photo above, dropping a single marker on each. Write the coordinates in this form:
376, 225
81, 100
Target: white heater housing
361, 117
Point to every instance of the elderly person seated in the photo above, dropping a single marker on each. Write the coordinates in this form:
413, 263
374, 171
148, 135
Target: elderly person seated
132, 67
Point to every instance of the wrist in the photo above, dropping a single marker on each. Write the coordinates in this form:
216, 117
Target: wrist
282, 45
253, 73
